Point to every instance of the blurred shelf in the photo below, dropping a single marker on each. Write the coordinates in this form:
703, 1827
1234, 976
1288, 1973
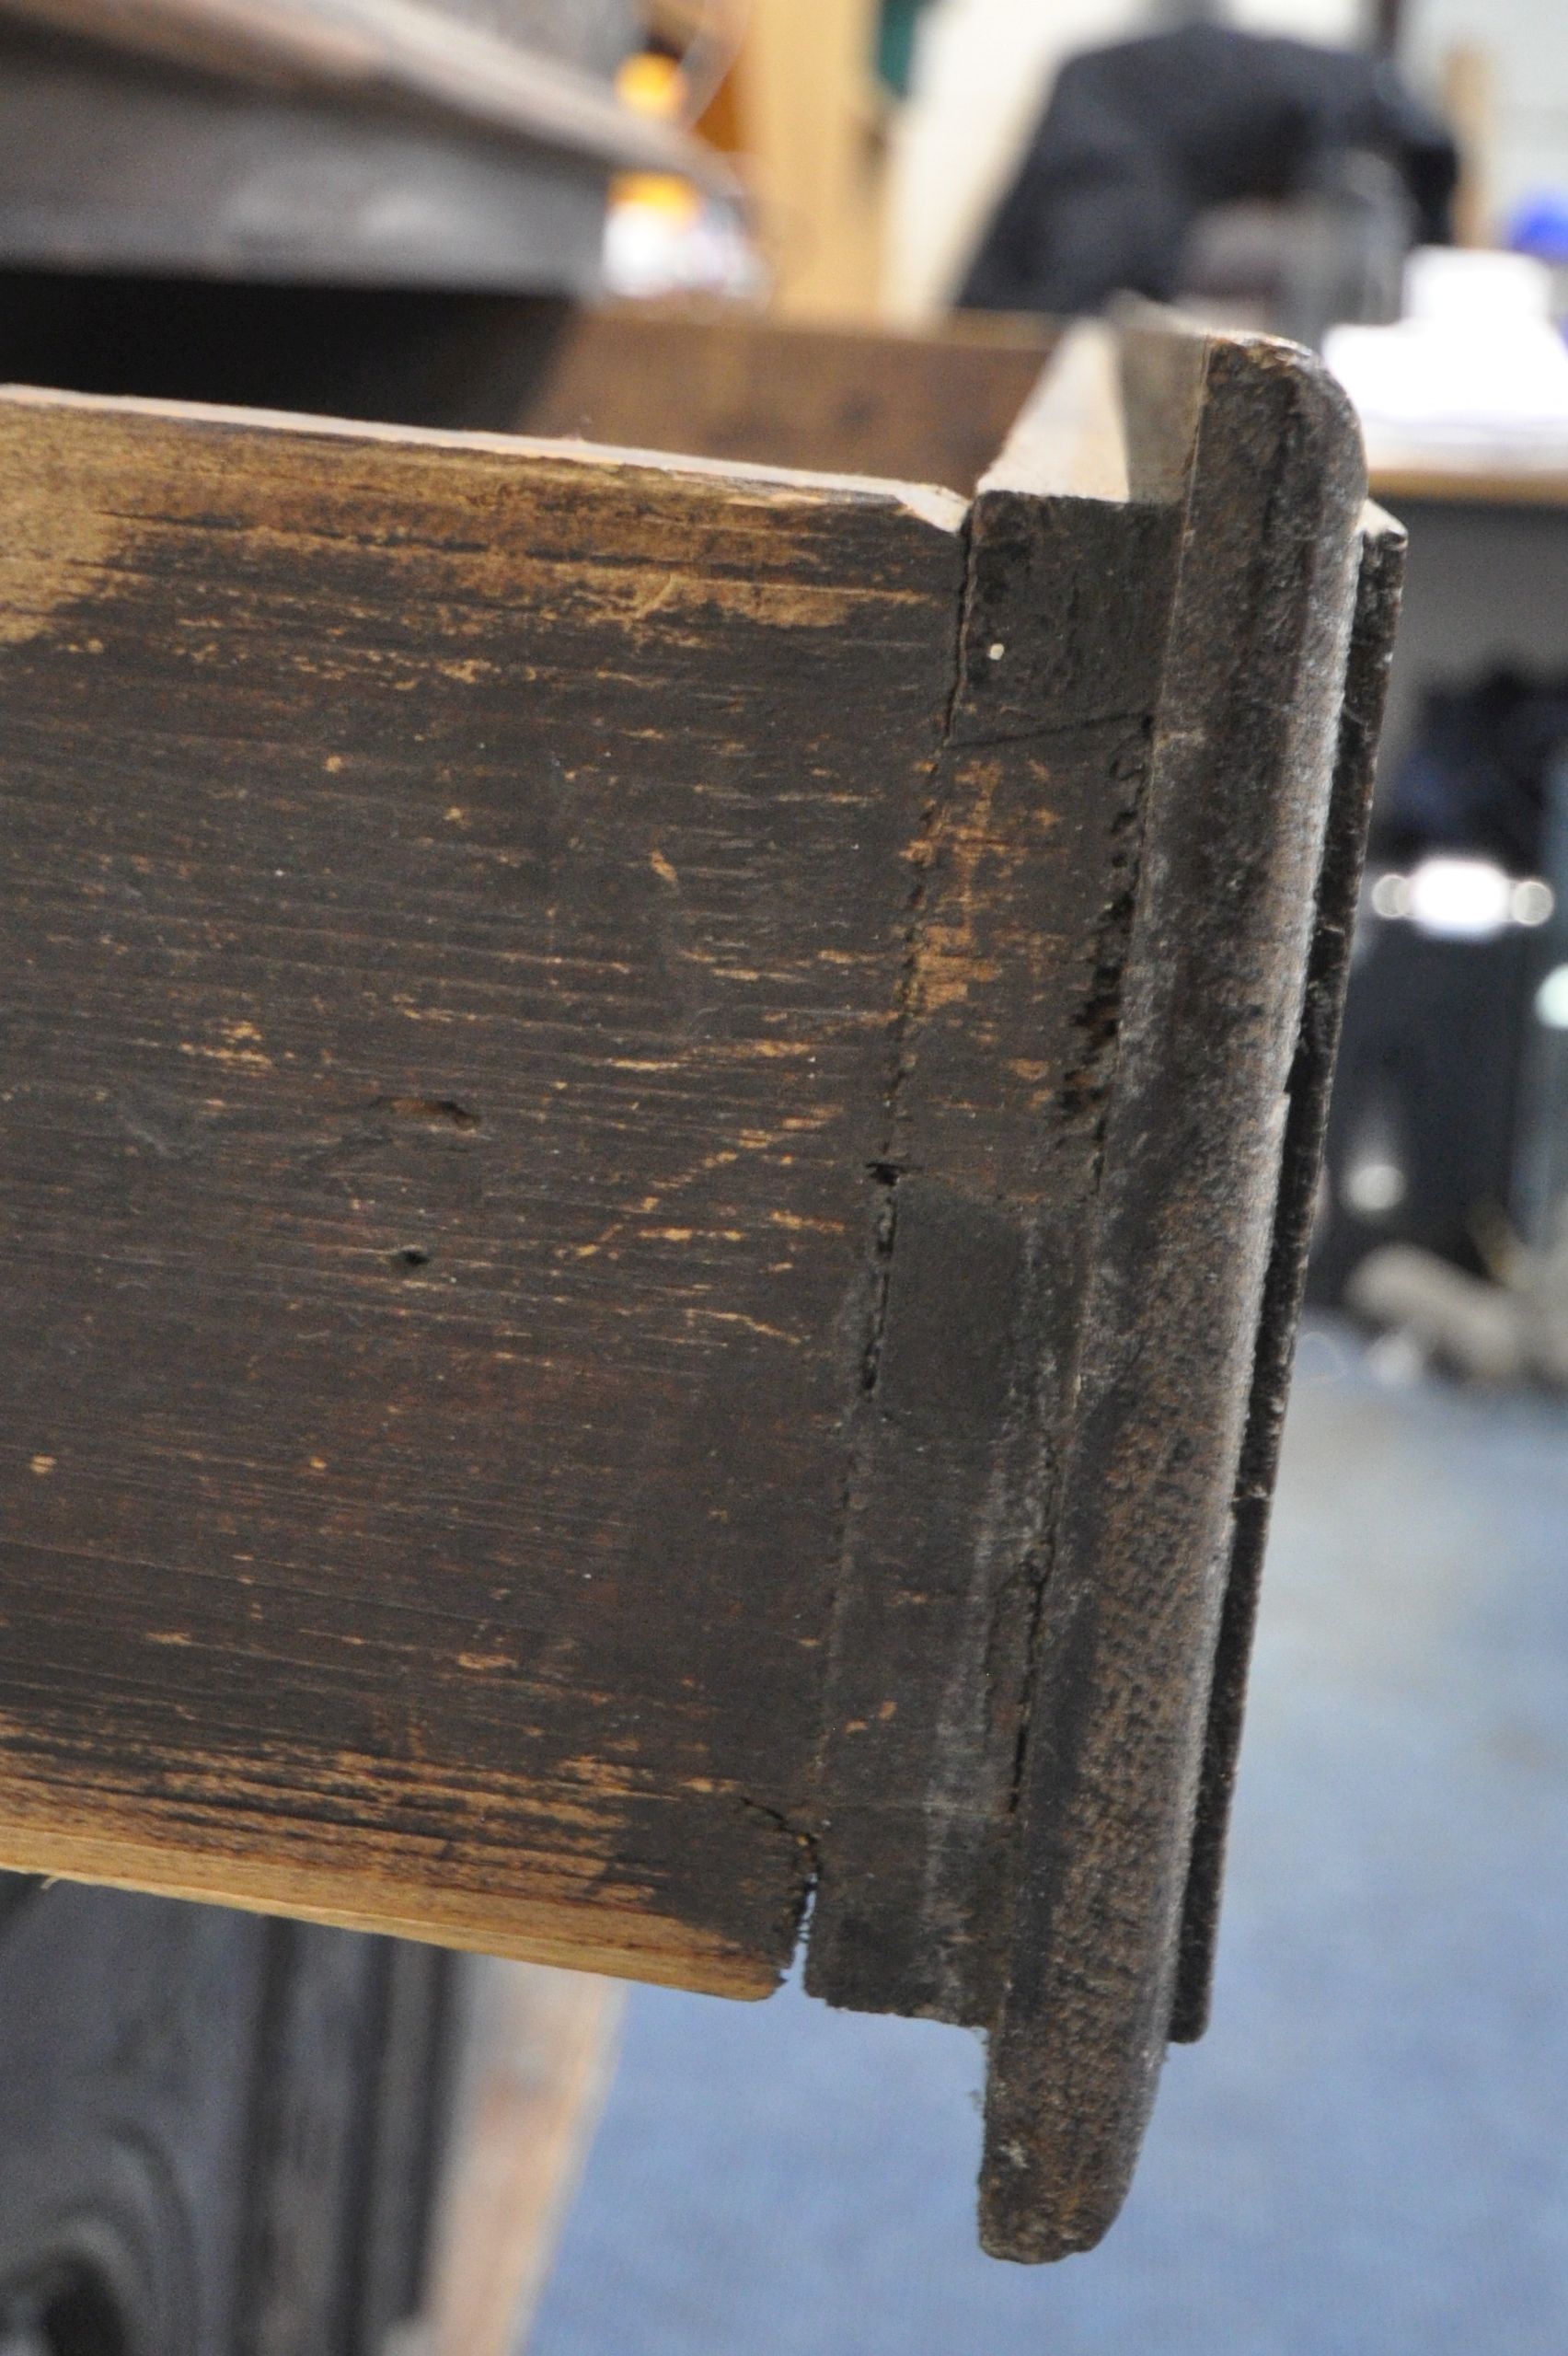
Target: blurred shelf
1463, 478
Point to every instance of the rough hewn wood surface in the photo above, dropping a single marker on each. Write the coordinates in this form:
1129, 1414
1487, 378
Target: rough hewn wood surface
643, 1113
1007, 1040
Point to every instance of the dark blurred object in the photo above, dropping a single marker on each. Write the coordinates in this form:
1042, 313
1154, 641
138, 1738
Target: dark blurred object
1478, 779
1423, 1125
217, 2133
1300, 266
1445, 1127
1139, 140
468, 360
390, 143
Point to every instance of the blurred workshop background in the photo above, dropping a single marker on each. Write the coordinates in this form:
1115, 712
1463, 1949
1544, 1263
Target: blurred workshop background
1368, 2153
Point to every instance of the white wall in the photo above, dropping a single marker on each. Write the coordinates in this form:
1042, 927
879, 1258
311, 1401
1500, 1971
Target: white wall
1528, 41
1340, 22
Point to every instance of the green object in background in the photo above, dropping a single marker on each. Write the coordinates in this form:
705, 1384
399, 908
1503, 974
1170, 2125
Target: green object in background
895, 43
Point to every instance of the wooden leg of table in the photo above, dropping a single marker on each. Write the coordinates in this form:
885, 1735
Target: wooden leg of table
538, 2051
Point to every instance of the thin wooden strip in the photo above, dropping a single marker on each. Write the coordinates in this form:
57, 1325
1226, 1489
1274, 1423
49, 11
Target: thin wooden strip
1366, 680
1210, 1013
1070, 438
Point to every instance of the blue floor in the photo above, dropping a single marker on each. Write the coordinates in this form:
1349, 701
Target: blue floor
1368, 2155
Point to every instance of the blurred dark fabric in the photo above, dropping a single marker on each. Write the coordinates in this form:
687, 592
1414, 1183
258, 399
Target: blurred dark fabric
1137, 139
1479, 775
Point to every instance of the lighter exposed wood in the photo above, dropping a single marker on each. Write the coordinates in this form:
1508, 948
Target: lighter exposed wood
375, 49
547, 2052
1070, 438
943, 510
591, 1936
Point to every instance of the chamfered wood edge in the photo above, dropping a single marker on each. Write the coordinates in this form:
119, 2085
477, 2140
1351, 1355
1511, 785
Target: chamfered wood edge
1115, 414
1366, 678
1210, 1009
929, 503
1070, 438
626, 1946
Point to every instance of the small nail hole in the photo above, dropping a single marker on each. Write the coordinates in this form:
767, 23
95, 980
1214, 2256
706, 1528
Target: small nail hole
412, 1256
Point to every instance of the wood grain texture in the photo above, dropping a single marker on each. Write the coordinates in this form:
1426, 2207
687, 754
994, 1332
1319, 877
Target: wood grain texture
1209, 1015
991, 1161
725, 385
457, 899
1379, 575
645, 1104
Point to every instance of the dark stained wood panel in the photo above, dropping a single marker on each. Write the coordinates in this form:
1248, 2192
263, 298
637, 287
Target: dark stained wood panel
1378, 584
727, 385
1029, 871
456, 896
645, 1104
1210, 1014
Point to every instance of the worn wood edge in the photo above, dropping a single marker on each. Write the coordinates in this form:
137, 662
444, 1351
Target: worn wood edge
1165, 360
1070, 439
1366, 678
655, 1948
928, 504
1076, 2050
371, 50
911, 1920
1115, 415
914, 1894
547, 2058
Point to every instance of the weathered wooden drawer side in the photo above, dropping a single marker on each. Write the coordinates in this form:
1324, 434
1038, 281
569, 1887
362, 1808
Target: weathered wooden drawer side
643, 1108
